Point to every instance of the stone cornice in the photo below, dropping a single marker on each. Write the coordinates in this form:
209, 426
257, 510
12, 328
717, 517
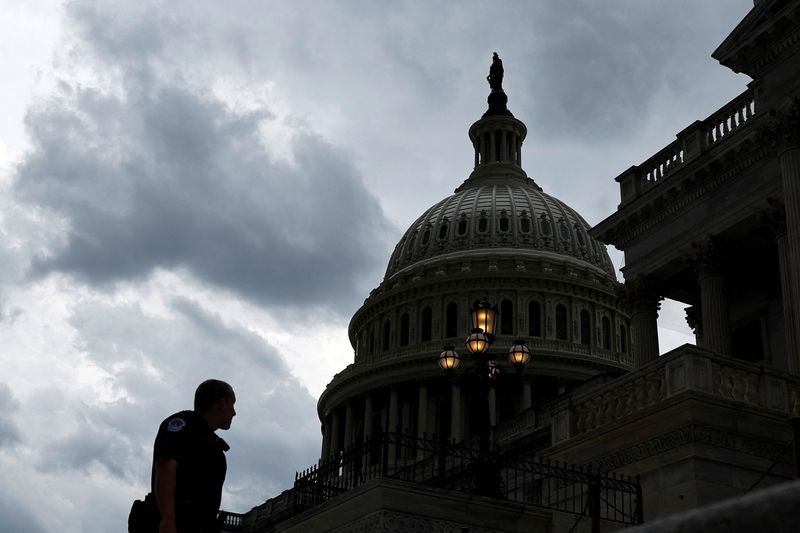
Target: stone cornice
662, 204
694, 434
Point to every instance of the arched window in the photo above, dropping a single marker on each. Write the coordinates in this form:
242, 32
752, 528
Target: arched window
586, 329
451, 320
387, 328
426, 236
443, 227
534, 319
504, 222
462, 225
404, 329
506, 318
606, 333
426, 331
561, 322
623, 339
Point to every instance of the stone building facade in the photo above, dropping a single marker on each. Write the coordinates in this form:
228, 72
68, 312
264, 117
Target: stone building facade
711, 220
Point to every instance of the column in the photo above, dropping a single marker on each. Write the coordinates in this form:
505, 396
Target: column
790, 263
492, 408
694, 318
713, 298
527, 389
335, 446
392, 409
645, 303
392, 424
326, 438
349, 424
775, 217
455, 413
422, 411
368, 417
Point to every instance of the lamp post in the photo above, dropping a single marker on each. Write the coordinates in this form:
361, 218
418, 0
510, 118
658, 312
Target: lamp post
484, 473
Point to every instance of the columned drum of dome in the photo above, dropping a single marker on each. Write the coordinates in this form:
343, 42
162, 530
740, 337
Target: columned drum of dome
499, 236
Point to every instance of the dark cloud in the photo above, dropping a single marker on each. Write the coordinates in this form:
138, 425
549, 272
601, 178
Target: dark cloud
595, 69
157, 174
275, 432
9, 432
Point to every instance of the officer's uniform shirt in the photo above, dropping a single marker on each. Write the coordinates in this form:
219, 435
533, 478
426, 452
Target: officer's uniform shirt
200, 455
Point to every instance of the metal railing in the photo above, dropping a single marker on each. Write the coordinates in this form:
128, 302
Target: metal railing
517, 478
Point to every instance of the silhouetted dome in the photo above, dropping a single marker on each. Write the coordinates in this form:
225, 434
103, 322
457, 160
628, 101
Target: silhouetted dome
492, 216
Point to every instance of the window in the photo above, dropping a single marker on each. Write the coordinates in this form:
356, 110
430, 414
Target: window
387, 327
483, 224
427, 324
404, 329
451, 320
586, 330
561, 322
504, 223
462, 225
563, 231
443, 229
534, 319
579, 233
506, 318
606, 325
426, 236
525, 225
547, 230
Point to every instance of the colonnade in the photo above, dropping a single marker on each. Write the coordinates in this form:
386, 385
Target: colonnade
438, 407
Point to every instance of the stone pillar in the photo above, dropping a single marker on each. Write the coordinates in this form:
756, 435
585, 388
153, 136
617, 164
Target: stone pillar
713, 298
392, 409
455, 413
422, 410
527, 395
405, 416
645, 304
335, 446
492, 408
349, 424
785, 133
790, 170
695, 321
368, 417
326, 438
392, 450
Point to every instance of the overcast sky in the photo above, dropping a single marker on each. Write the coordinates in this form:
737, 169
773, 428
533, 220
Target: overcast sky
194, 189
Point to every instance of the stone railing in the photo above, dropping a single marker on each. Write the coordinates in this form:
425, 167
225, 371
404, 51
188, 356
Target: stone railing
685, 369
520, 425
690, 143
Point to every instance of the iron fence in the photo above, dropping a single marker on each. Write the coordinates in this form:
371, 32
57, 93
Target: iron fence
463, 466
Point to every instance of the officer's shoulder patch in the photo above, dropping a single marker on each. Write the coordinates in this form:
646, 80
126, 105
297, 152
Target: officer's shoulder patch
176, 424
